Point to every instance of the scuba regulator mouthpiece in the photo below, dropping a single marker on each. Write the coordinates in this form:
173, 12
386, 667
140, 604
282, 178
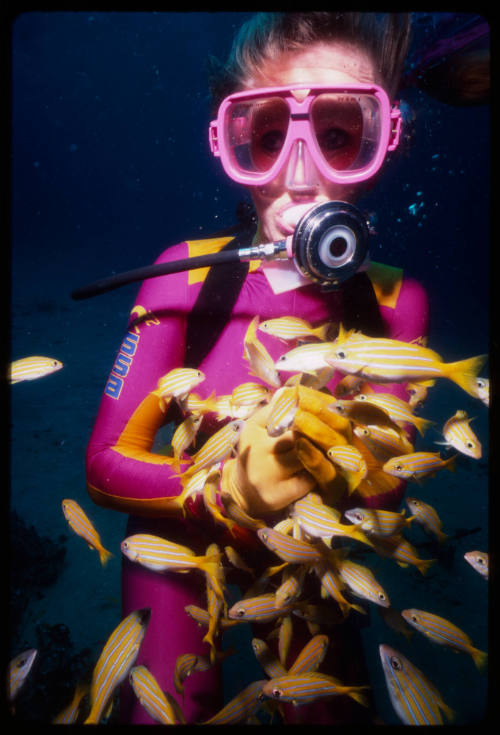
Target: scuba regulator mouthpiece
329, 245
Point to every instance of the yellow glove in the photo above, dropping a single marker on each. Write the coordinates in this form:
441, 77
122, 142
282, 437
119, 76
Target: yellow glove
269, 473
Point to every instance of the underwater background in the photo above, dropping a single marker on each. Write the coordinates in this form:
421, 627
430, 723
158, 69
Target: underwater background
110, 164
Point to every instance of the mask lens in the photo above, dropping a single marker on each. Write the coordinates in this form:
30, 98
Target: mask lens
346, 129
256, 131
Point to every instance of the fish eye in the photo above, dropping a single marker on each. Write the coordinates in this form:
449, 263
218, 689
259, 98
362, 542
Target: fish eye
240, 612
480, 383
341, 354
480, 560
398, 467
469, 445
381, 596
414, 618
125, 544
277, 693
396, 663
358, 516
362, 397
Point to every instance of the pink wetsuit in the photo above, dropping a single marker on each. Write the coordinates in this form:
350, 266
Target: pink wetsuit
123, 473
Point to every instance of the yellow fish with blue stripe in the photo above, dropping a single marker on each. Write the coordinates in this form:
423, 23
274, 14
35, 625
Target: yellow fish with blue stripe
147, 690
418, 465
384, 360
32, 368
19, 668
117, 658
82, 526
241, 707
444, 633
414, 698
307, 687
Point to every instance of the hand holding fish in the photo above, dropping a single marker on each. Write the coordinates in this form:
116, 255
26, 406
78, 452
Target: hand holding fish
273, 469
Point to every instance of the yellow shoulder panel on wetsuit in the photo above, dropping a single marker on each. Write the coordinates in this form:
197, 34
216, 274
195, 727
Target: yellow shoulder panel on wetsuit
204, 247
386, 281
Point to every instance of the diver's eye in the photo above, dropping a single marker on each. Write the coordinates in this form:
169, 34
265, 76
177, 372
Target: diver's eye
272, 141
341, 354
396, 663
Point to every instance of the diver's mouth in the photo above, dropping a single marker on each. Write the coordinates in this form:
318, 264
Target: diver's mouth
289, 216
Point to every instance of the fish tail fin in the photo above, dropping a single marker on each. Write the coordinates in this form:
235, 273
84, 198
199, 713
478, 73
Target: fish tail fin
441, 537
465, 372
450, 463
449, 713
480, 658
360, 698
210, 565
323, 331
425, 564
359, 609
104, 556
422, 424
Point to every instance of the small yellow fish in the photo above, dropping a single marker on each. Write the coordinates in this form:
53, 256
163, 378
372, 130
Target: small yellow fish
332, 585
414, 698
241, 707
259, 609
403, 553
177, 383
444, 633
292, 327
184, 436
397, 409
459, 435
362, 583
382, 442
321, 521
31, 368
83, 527
427, 517
307, 687
291, 586
217, 448
237, 560
282, 409
117, 658
215, 605
377, 521
351, 462
479, 560
19, 668
250, 394
418, 465
311, 656
366, 414
289, 549
210, 491
261, 362
383, 360
160, 555
149, 693
193, 403
285, 634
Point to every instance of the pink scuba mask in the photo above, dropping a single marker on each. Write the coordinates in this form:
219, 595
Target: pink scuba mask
345, 131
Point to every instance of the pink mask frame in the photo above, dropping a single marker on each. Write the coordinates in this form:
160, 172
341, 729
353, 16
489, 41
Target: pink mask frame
299, 128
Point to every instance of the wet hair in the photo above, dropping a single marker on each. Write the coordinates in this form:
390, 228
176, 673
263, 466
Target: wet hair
384, 36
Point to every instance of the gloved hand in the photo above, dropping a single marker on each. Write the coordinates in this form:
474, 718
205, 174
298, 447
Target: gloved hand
269, 473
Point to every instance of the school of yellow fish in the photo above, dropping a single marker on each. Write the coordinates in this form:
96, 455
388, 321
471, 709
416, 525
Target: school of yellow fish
308, 539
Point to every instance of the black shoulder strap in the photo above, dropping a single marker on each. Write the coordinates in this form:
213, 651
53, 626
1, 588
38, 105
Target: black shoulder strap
218, 294
360, 306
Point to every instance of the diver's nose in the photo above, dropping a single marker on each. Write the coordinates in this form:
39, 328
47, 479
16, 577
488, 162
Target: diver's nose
302, 176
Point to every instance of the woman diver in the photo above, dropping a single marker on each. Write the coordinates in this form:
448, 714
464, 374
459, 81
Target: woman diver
305, 114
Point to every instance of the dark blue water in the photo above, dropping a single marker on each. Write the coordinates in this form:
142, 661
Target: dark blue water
111, 164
